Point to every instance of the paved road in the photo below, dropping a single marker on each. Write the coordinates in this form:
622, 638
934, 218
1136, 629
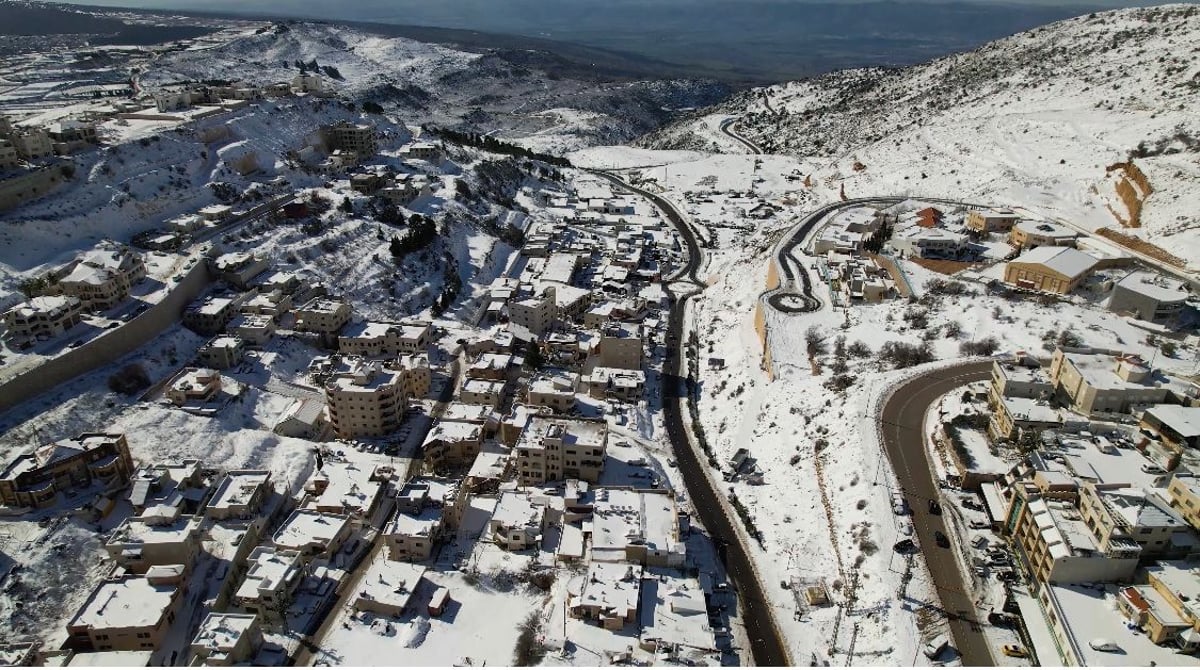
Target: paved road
766, 642
727, 129
902, 425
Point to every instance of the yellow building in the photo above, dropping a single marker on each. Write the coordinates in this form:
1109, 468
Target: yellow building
1049, 269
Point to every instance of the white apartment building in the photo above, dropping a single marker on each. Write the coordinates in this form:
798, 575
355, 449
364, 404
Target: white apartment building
369, 400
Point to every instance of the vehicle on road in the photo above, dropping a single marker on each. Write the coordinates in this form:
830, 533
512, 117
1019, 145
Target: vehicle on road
74, 344
1104, 644
900, 505
941, 539
1014, 650
934, 647
935, 507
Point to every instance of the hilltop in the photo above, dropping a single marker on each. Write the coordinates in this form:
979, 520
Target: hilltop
1045, 118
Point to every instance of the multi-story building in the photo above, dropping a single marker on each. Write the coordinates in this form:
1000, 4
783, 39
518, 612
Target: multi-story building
271, 579
239, 267
920, 242
129, 612
452, 444
358, 139
1104, 384
255, 329
535, 315
621, 346
43, 317
518, 521
102, 277
481, 392
227, 639
1049, 269
1031, 234
991, 220
313, 534
1184, 495
240, 495
1149, 297
209, 315
556, 393
222, 352
35, 479
194, 386
372, 338
9, 158
32, 143
159, 536
615, 383
550, 449
324, 316
1118, 513
368, 400
1176, 425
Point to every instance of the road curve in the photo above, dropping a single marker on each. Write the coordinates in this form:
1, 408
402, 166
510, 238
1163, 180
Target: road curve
766, 643
902, 427
726, 128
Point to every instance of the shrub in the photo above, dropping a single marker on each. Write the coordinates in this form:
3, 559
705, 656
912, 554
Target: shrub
905, 355
129, 379
985, 347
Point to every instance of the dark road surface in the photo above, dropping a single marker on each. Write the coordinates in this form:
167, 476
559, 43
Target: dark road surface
902, 424
766, 643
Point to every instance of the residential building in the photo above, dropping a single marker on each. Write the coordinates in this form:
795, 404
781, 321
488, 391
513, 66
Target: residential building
324, 316
368, 400
492, 366
71, 135
43, 317
413, 534
639, 527
615, 384
215, 213
452, 444
422, 151
221, 352
305, 418
1149, 297
1020, 379
1184, 496
36, 478
308, 83
1104, 384
388, 587
1118, 514
1049, 269
32, 143
129, 612
621, 346
991, 220
159, 536
102, 277
372, 338
255, 329
519, 520
610, 595
920, 242
534, 315
345, 488
194, 386
481, 392
227, 639
358, 139
209, 315
239, 267
550, 449
1031, 234
240, 495
1175, 425
9, 158
313, 534
556, 393
271, 579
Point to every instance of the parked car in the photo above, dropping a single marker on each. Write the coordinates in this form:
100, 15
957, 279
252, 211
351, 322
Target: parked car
941, 539
935, 507
1014, 650
979, 525
905, 546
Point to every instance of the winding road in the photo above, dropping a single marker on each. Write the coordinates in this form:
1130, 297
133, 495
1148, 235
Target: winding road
766, 643
902, 427
726, 128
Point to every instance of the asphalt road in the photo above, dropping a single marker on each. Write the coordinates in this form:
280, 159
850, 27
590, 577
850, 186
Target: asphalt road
902, 424
726, 129
766, 643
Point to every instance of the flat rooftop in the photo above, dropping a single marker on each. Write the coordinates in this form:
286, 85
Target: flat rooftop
268, 568
571, 431
623, 517
237, 486
1154, 286
307, 527
1090, 614
129, 602
220, 631
370, 330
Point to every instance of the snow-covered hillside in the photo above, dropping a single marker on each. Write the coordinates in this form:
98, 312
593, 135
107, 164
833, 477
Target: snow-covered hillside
515, 93
1038, 118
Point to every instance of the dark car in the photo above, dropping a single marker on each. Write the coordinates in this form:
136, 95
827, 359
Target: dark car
905, 546
935, 507
941, 539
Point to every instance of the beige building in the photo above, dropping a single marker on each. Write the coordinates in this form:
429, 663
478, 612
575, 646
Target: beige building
369, 400
621, 346
481, 392
227, 639
1104, 384
452, 444
1031, 234
43, 317
271, 579
1118, 513
239, 267
9, 158
194, 386
209, 315
518, 520
534, 314
159, 536
313, 534
358, 139
325, 316
1049, 269
1149, 297
991, 220
32, 143
550, 449
102, 277
385, 339
36, 478
615, 383
1176, 425
222, 352
1184, 494
556, 393
129, 612
240, 495
255, 329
